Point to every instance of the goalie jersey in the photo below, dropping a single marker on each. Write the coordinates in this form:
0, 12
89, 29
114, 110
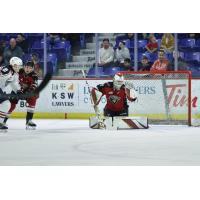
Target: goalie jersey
116, 99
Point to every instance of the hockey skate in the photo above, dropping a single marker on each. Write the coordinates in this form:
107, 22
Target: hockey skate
3, 127
30, 125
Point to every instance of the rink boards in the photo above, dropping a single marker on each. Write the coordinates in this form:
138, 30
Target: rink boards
70, 99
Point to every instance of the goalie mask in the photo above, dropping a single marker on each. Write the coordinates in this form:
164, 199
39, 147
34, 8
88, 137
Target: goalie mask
16, 63
118, 81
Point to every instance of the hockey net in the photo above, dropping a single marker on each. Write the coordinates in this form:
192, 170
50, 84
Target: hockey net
164, 97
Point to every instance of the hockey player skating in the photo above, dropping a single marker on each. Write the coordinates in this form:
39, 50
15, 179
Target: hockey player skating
9, 81
28, 80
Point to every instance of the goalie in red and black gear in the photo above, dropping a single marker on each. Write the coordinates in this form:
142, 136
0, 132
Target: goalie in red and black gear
116, 94
28, 81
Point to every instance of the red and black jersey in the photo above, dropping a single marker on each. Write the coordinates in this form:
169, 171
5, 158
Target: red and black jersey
28, 82
116, 99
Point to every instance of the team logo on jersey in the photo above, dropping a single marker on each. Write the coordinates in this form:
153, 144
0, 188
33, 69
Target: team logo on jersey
114, 99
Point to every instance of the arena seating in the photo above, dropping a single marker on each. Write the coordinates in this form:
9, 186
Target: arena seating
38, 47
197, 45
93, 73
186, 44
62, 50
110, 71
141, 45
192, 57
195, 70
189, 50
182, 35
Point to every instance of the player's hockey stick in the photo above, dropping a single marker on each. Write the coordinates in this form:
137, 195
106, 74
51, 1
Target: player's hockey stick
42, 85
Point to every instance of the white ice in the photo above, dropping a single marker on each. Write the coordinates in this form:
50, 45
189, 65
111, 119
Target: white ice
72, 142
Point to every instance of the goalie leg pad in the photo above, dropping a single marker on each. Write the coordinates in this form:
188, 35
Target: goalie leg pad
117, 123
95, 123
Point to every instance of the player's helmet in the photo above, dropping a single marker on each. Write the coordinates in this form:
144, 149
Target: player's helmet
30, 64
118, 81
29, 67
16, 63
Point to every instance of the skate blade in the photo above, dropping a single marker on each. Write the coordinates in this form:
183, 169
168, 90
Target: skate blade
30, 128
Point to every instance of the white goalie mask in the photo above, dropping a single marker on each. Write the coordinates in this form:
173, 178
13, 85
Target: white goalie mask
118, 81
16, 63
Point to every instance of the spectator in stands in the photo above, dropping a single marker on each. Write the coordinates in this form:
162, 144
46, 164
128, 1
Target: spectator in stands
37, 68
127, 36
22, 42
12, 51
144, 64
161, 63
152, 45
167, 43
106, 54
127, 66
122, 52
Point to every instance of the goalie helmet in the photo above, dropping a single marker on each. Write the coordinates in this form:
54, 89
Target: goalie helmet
16, 63
118, 81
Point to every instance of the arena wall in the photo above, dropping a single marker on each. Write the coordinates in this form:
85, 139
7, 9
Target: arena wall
70, 99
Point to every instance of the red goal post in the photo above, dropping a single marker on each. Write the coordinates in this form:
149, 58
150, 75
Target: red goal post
163, 96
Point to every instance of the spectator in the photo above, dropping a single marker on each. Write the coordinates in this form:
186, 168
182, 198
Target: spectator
161, 63
152, 45
127, 36
144, 65
22, 42
122, 53
126, 66
12, 51
106, 54
1, 60
167, 43
37, 68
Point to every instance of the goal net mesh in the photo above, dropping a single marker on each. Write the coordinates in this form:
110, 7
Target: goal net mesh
164, 97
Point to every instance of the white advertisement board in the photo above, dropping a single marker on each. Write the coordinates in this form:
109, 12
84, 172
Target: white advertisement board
72, 96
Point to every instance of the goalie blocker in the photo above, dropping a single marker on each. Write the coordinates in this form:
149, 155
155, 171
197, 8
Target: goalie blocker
117, 123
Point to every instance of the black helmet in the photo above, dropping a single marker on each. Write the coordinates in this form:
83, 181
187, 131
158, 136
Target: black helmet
30, 64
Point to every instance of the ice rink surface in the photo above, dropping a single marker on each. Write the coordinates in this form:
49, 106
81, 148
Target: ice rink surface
72, 142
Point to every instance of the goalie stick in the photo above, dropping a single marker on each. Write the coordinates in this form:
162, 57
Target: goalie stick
22, 96
96, 108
